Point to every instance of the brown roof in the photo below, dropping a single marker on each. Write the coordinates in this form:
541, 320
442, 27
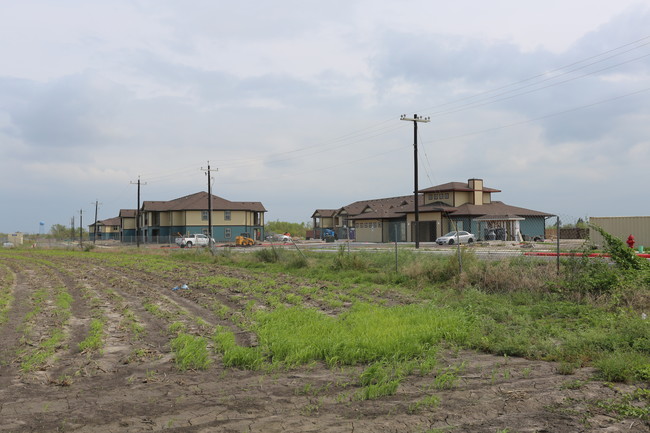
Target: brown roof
127, 213
115, 221
455, 186
325, 213
496, 208
391, 207
358, 207
199, 201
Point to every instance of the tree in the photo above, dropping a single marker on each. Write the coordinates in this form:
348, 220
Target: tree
60, 232
296, 229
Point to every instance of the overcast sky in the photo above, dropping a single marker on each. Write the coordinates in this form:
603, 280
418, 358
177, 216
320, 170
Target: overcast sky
298, 103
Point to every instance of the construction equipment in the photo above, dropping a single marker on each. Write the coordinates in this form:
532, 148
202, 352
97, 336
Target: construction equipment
244, 240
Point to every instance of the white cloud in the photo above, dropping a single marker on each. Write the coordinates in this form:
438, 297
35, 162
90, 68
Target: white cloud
298, 103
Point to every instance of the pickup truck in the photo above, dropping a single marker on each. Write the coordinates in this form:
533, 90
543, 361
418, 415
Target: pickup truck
191, 240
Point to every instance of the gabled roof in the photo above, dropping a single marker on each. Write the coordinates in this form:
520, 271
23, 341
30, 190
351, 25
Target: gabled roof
115, 221
199, 201
127, 213
455, 186
391, 207
358, 207
496, 208
324, 213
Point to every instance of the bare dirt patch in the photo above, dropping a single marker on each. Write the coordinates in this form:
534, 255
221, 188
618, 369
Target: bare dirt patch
132, 384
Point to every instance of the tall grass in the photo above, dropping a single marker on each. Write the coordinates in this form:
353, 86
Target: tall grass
250, 358
190, 352
295, 336
6, 296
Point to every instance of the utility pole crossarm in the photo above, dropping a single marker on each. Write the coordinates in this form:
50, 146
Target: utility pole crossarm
415, 119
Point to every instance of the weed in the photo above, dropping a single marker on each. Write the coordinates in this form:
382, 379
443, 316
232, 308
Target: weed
190, 352
94, 341
573, 384
622, 366
268, 255
177, 328
430, 402
377, 390
448, 377
631, 405
566, 368
234, 355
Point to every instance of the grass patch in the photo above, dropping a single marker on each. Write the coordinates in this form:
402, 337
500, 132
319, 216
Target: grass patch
95, 339
367, 333
6, 296
249, 358
45, 350
623, 366
190, 352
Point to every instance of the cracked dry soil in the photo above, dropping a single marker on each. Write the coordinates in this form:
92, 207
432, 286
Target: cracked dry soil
132, 385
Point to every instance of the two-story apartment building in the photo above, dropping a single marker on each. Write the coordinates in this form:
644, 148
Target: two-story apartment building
127, 224
455, 205
108, 229
190, 215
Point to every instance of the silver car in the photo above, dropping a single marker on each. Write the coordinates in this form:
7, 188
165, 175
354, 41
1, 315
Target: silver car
454, 237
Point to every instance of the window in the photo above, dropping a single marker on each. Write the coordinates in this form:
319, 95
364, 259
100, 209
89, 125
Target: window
446, 195
227, 233
226, 215
204, 215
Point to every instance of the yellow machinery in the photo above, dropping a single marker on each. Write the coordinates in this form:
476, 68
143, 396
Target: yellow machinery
244, 240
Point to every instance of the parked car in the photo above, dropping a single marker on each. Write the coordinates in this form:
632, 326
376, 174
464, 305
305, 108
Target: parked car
453, 237
193, 240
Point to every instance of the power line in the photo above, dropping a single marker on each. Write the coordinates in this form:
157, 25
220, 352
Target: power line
546, 116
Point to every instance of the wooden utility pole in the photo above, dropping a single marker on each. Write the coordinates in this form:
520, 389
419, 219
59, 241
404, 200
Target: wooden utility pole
209, 204
137, 213
81, 227
415, 119
95, 226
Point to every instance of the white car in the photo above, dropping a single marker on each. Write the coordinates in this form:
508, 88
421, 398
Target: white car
454, 237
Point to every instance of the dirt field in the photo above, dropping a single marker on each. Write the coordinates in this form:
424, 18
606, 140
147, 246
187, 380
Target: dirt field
133, 385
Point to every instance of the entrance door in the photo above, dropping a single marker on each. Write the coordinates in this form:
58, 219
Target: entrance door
426, 232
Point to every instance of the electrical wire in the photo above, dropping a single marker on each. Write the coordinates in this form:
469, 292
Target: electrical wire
389, 125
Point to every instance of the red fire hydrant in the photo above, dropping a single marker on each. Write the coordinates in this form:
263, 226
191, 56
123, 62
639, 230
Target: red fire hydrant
630, 241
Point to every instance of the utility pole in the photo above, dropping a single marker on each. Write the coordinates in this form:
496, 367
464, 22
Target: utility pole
137, 213
81, 227
209, 204
415, 119
97, 203
72, 228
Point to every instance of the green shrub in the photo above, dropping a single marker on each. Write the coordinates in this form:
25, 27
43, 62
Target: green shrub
348, 261
267, 255
623, 366
624, 256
